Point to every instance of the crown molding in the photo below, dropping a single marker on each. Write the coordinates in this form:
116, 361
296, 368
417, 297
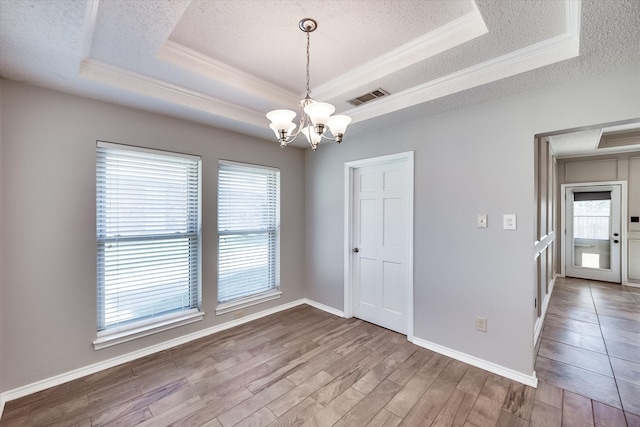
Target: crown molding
192, 60
90, 17
118, 77
448, 36
546, 52
538, 55
463, 29
572, 21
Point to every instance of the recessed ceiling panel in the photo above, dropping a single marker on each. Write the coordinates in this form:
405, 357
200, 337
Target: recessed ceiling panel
263, 38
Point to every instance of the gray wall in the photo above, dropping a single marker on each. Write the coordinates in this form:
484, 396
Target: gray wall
475, 160
48, 237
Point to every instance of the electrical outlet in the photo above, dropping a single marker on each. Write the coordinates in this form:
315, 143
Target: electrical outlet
238, 314
481, 221
481, 324
509, 221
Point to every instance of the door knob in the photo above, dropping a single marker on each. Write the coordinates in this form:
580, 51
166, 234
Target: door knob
356, 250
616, 234
615, 241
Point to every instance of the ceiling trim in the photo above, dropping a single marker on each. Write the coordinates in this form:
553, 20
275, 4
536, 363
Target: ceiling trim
544, 53
572, 14
538, 55
90, 17
185, 57
114, 76
450, 35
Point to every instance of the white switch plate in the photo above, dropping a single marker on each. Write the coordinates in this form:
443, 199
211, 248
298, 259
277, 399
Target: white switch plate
481, 324
482, 221
509, 221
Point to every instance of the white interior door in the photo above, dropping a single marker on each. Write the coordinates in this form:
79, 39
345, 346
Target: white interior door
381, 227
593, 233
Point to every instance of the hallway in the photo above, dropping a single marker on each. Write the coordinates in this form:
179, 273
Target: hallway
590, 347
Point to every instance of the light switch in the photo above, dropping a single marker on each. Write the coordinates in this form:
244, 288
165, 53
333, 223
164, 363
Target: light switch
509, 221
482, 221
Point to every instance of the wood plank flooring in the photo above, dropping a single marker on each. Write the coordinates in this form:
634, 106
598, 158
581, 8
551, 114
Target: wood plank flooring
304, 367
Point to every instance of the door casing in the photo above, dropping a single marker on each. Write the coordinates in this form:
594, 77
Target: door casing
348, 229
623, 223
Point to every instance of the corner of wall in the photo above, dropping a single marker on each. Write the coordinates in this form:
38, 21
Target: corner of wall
1, 245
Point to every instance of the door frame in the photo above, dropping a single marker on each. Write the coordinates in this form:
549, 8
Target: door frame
349, 167
623, 223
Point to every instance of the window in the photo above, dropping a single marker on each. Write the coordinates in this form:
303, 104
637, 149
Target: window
148, 241
248, 235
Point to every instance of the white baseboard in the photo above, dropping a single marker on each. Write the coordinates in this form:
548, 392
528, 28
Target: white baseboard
530, 380
110, 363
323, 307
100, 366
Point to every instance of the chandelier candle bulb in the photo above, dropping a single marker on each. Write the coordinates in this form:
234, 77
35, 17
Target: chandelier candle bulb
315, 116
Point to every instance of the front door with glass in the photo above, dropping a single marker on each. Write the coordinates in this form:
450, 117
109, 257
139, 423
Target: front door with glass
593, 233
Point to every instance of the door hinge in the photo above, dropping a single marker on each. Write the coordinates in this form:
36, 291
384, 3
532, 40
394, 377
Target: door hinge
535, 303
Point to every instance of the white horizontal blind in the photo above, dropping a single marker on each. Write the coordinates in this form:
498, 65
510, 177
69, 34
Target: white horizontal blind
148, 234
248, 230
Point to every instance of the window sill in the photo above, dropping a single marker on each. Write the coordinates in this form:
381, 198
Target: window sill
119, 335
228, 307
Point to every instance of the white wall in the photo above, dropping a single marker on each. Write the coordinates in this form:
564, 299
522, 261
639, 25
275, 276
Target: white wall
471, 161
49, 294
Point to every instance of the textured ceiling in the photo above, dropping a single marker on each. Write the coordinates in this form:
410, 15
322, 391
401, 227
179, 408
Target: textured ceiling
226, 63
593, 141
349, 33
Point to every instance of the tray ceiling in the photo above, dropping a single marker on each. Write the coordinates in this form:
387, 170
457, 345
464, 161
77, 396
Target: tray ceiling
226, 63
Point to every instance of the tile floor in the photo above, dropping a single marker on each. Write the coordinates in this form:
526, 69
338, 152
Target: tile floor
590, 343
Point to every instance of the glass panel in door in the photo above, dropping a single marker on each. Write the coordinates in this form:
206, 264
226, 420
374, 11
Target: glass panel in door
591, 230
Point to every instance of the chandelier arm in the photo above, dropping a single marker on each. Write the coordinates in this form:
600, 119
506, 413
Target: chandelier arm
292, 137
301, 125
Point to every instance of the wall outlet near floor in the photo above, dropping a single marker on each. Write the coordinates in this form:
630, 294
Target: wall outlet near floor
481, 324
238, 314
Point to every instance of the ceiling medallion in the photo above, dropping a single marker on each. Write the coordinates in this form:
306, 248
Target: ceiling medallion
315, 117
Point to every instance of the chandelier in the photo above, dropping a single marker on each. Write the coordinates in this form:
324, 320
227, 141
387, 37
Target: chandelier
315, 117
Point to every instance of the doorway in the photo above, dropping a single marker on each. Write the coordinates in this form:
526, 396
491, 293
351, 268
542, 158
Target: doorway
379, 241
592, 217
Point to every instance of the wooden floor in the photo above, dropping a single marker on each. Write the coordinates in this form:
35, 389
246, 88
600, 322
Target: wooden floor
306, 367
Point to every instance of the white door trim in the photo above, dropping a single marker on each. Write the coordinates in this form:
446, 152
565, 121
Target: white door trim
348, 229
623, 223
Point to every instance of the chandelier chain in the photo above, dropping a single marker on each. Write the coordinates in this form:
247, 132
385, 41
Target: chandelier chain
308, 50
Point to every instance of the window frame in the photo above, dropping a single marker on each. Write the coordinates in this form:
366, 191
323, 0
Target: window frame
263, 296
145, 326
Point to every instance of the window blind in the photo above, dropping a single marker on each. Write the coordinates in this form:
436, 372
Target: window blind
148, 234
248, 230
